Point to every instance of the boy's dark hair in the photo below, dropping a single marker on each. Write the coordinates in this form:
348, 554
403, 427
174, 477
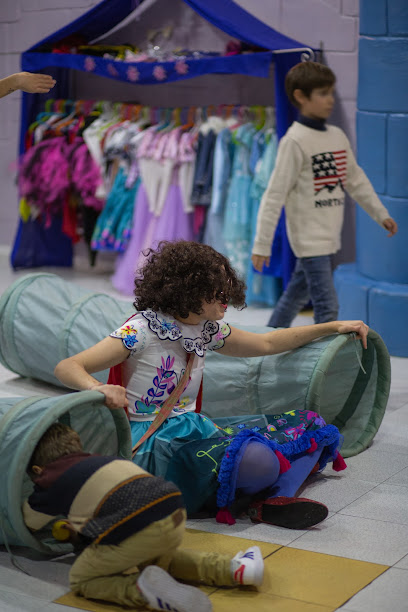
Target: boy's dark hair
178, 276
57, 441
307, 76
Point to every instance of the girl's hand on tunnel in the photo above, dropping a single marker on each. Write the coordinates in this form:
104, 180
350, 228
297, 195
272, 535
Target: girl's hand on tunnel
358, 327
115, 396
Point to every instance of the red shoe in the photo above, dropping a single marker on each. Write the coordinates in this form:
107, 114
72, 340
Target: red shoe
289, 512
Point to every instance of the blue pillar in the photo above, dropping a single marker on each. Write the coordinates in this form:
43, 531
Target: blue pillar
375, 288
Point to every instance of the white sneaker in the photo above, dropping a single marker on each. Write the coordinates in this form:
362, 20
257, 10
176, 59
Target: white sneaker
248, 567
162, 592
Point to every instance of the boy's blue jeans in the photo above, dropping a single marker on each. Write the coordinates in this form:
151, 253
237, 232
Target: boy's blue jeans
312, 279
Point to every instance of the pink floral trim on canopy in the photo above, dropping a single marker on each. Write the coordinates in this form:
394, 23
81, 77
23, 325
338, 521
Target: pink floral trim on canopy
112, 70
132, 74
89, 64
181, 67
159, 73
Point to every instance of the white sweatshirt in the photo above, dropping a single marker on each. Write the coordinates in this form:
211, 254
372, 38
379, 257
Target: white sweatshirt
312, 169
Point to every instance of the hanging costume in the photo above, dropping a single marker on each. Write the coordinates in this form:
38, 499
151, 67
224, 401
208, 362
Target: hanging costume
161, 211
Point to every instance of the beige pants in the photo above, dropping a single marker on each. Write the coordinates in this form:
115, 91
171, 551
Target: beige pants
98, 573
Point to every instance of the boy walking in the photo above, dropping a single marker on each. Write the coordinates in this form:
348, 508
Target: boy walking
129, 525
314, 167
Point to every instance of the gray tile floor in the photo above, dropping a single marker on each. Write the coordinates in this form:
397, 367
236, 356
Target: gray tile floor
368, 503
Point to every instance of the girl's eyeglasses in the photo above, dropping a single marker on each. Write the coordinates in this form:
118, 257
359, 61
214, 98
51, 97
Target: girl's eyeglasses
222, 297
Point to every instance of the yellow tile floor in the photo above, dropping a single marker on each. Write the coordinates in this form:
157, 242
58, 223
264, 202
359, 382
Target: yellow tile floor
294, 580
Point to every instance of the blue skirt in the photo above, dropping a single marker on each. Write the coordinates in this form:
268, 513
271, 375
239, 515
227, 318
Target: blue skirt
155, 454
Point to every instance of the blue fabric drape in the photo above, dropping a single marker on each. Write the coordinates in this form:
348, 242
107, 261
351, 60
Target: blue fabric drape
224, 14
36, 245
100, 19
285, 115
237, 22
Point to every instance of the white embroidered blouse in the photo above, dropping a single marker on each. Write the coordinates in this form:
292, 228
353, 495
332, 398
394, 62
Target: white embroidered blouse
157, 346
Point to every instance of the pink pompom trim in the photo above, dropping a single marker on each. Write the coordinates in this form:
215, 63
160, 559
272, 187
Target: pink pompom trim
283, 462
339, 463
225, 516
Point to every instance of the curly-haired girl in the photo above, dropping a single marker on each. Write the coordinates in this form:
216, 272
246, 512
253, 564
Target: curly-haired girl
157, 361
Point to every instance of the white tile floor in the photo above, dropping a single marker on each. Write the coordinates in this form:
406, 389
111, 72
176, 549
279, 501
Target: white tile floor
368, 503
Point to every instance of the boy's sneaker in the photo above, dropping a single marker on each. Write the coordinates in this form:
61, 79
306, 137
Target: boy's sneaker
162, 592
248, 567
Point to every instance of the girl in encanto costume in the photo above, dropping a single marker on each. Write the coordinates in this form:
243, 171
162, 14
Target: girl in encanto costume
157, 359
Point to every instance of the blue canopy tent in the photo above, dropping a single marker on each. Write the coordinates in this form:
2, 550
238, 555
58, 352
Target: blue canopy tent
37, 245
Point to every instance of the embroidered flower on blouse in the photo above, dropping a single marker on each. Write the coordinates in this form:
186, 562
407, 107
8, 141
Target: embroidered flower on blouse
198, 344
128, 335
112, 70
181, 67
162, 328
159, 73
181, 404
132, 74
142, 407
221, 333
89, 64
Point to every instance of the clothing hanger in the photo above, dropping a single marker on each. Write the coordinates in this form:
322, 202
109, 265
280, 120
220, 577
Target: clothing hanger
66, 119
238, 120
259, 116
168, 122
190, 119
270, 122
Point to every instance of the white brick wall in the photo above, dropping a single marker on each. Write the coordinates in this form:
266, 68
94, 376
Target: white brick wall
25, 22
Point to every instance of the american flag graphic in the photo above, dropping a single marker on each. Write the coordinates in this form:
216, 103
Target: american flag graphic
329, 169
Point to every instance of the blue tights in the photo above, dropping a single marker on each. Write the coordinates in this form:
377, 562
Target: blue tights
259, 469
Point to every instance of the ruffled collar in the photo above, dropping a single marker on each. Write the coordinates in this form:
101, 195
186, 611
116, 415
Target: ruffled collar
193, 338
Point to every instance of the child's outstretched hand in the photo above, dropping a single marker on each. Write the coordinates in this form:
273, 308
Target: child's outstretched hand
390, 225
358, 327
34, 83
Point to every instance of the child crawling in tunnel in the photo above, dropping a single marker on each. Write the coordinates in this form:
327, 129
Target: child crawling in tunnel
127, 527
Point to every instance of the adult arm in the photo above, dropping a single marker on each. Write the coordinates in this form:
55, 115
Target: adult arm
76, 371
26, 81
361, 190
242, 343
289, 161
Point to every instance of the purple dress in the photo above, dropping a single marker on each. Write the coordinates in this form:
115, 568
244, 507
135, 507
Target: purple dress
173, 223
